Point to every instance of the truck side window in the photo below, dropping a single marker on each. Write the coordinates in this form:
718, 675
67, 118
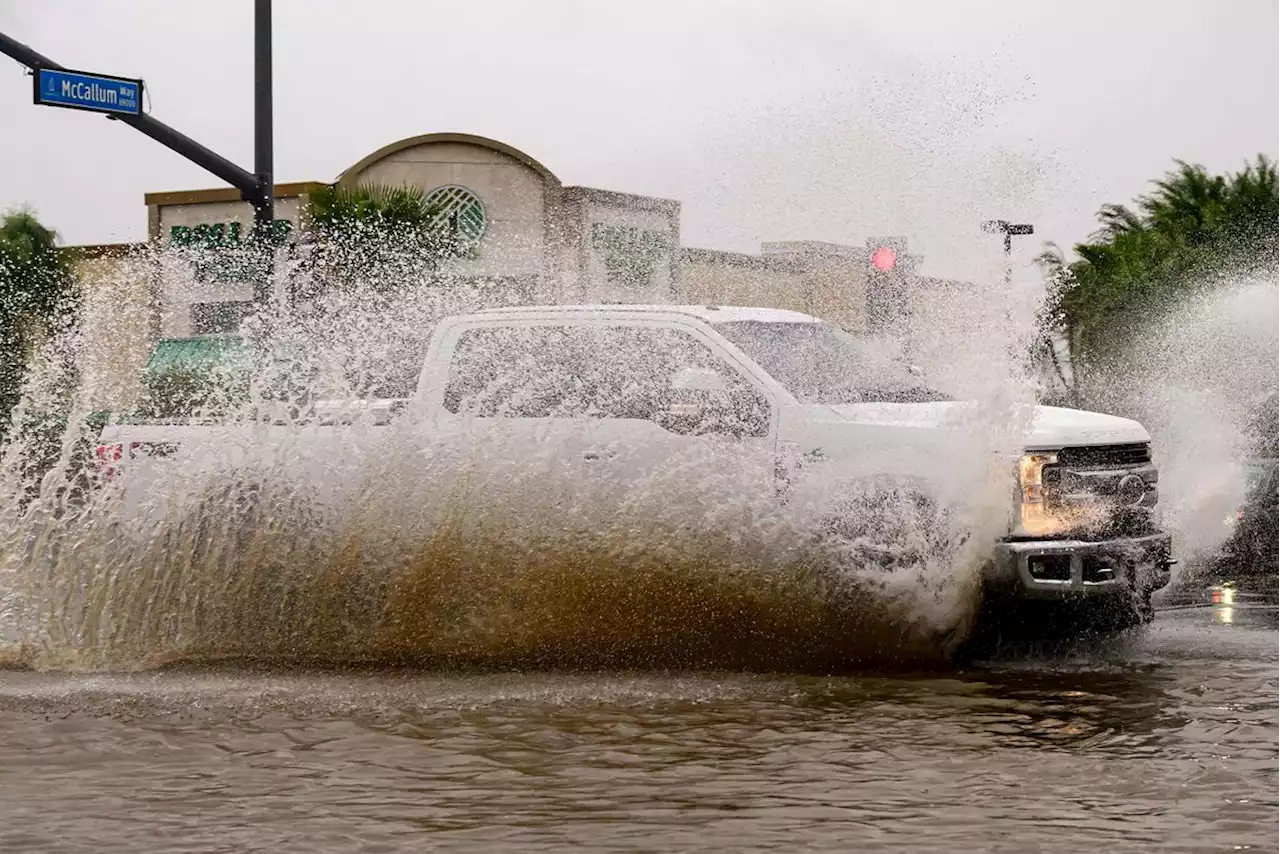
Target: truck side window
593, 372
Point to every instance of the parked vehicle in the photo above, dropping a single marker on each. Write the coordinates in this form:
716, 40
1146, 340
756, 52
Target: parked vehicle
1255, 543
631, 385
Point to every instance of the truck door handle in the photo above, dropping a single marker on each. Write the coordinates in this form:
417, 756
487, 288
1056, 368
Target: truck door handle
596, 455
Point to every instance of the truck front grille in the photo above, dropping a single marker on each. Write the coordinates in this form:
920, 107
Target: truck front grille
1106, 456
1118, 483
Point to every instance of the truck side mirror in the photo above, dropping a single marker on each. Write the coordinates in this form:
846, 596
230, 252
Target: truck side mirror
700, 400
699, 382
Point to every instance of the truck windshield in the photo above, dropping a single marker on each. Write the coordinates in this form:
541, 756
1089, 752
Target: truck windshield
820, 364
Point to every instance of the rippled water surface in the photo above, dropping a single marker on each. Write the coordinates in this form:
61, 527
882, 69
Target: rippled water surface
1169, 743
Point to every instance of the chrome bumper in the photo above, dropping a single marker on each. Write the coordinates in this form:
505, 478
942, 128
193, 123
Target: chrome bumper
1062, 569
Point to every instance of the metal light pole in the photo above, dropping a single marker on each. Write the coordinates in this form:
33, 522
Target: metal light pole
1008, 229
264, 201
264, 204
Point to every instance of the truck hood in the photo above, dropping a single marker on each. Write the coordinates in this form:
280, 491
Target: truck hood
1051, 426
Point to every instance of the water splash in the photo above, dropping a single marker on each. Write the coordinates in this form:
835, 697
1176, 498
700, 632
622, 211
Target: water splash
387, 544
438, 554
1198, 381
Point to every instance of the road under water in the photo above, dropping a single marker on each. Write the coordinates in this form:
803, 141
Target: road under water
1168, 742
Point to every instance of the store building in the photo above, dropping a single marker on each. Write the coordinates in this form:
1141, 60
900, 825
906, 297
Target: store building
534, 240
537, 239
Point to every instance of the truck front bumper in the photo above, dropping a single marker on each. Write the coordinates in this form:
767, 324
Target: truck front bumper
1070, 569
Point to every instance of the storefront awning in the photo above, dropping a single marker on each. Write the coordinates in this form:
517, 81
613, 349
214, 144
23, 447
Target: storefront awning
187, 354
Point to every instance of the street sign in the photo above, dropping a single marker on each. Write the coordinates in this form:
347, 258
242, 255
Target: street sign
78, 90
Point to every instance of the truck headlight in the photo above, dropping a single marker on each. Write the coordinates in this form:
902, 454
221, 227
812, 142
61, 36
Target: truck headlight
1031, 475
1035, 518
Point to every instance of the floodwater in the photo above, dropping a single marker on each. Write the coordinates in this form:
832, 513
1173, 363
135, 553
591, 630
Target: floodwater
1168, 742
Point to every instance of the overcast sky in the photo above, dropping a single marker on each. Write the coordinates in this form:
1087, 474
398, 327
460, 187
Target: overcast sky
777, 120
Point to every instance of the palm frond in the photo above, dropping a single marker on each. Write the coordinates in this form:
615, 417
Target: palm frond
1187, 230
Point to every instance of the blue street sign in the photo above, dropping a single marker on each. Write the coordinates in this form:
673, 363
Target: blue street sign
80, 91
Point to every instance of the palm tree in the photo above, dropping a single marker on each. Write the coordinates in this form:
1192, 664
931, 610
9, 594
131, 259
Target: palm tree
1192, 230
382, 235
37, 297
380, 205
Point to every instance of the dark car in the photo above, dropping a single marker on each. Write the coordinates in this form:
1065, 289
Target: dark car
1253, 549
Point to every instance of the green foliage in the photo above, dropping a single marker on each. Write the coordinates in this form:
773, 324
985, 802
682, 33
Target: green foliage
35, 278
37, 299
379, 205
1192, 231
380, 235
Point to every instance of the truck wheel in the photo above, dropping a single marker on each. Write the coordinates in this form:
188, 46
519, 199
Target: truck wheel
1011, 625
889, 527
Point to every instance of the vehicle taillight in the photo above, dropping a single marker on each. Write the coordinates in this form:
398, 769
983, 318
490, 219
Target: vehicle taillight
108, 455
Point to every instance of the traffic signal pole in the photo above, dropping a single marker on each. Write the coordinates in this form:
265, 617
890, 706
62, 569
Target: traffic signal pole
264, 199
257, 188
263, 136
243, 181
889, 271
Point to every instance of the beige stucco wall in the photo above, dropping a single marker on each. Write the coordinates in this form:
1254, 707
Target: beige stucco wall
744, 282
660, 262
838, 294
832, 291
542, 240
116, 324
513, 194
206, 213
177, 287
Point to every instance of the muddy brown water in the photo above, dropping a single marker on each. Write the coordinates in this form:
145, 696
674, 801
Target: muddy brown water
1167, 742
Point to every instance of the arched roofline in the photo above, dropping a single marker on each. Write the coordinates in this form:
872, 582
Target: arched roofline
428, 138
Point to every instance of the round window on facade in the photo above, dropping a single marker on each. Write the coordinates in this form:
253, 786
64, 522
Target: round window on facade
460, 216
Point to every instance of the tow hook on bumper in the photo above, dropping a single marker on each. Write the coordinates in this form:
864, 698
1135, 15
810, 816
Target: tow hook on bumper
1050, 569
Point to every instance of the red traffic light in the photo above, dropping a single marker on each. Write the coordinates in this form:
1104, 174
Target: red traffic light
884, 258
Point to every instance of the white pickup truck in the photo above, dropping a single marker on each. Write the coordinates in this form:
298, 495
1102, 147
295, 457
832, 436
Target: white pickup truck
1081, 529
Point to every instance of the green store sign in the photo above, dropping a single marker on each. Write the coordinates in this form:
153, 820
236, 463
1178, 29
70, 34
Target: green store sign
630, 255
217, 235
219, 251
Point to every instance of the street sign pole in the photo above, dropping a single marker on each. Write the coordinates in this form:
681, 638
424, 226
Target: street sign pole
263, 148
263, 140
157, 130
257, 189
